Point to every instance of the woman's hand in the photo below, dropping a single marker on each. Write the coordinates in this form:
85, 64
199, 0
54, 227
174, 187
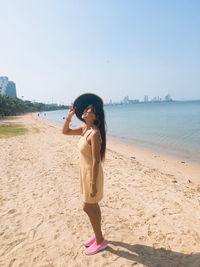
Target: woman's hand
93, 190
71, 111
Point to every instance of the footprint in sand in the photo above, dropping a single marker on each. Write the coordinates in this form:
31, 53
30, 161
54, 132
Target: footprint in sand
12, 211
13, 245
11, 262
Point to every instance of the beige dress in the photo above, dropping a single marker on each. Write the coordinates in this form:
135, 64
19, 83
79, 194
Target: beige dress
85, 154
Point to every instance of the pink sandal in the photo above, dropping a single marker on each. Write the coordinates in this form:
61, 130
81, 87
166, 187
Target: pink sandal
94, 248
90, 241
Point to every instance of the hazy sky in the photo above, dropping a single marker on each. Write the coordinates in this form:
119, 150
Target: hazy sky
56, 50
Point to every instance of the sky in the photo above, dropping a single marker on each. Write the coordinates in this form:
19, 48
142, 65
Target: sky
55, 50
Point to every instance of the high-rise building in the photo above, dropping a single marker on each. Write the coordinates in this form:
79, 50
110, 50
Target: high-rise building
7, 87
146, 98
168, 98
126, 100
3, 84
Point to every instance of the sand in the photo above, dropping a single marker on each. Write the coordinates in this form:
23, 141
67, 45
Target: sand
150, 210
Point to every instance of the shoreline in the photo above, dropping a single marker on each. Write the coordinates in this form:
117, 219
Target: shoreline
182, 168
179, 154
158, 149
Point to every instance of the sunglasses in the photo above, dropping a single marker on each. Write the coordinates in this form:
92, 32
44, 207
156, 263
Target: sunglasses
89, 110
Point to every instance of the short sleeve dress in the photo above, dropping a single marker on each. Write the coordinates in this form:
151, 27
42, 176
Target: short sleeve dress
85, 155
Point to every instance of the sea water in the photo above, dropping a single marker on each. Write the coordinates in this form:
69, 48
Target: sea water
171, 128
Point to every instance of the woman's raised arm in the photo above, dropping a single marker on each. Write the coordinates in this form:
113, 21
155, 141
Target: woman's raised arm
72, 131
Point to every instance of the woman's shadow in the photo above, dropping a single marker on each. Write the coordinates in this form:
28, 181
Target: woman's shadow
153, 257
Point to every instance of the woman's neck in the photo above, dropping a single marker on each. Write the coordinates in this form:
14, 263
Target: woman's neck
89, 125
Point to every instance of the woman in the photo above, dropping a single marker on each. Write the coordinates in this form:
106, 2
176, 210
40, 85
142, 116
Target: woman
92, 146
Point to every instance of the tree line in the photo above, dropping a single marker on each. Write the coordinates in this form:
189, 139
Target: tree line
15, 106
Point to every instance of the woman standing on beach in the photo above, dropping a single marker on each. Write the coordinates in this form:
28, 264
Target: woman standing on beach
92, 145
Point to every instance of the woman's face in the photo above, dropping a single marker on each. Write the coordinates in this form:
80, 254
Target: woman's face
89, 114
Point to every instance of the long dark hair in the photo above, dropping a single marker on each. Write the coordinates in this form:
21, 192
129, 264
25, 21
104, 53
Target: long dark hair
101, 124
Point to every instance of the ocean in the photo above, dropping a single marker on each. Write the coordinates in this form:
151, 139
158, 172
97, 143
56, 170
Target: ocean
171, 128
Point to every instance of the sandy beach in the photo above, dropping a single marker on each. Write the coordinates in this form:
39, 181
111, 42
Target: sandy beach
150, 209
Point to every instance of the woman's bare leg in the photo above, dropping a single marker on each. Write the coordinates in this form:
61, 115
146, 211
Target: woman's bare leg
99, 212
94, 213
99, 215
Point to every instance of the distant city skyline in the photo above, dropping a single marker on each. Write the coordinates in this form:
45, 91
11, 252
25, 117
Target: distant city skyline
55, 51
127, 100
